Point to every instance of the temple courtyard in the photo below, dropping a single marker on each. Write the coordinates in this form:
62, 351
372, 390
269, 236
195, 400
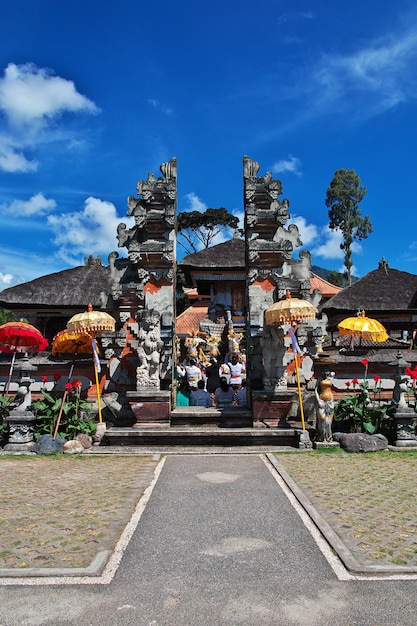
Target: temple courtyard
219, 536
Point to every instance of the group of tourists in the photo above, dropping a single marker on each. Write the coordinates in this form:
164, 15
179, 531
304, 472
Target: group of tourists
218, 384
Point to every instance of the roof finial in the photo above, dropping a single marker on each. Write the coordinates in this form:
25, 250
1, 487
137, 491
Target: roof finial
383, 263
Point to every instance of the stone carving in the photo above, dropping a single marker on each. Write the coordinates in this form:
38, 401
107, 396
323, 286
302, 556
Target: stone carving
250, 167
273, 350
325, 407
120, 411
20, 431
25, 395
290, 234
148, 350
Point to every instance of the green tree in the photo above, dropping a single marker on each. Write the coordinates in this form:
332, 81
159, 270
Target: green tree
197, 230
343, 198
336, 278
7, 316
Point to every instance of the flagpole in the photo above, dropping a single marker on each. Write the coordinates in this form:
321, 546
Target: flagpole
97, 367
64, 397
297, 350
300, 397
100, 418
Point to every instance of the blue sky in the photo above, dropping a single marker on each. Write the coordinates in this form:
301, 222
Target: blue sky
94, 95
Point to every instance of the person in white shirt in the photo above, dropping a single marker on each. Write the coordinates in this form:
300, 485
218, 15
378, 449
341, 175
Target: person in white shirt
236, 370
192, 373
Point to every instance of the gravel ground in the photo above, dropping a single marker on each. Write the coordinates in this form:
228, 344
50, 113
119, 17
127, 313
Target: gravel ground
61, 511
369, 500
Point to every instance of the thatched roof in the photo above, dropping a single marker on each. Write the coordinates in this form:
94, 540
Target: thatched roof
383, 289
73, 288
229, 254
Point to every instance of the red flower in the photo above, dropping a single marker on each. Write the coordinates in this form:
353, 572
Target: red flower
44, 379
408, 371
77, 384
355, 381
57, 377
68, 387
365, 362
413, 374
377, 378
347, 383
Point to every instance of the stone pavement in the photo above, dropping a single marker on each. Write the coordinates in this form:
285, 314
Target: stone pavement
219, 542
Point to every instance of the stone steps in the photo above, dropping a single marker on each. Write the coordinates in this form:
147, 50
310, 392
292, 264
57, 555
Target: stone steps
204, 435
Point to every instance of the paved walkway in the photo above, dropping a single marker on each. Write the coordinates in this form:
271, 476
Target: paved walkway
218, 543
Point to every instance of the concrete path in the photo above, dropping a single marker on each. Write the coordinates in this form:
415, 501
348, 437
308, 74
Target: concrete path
218, 543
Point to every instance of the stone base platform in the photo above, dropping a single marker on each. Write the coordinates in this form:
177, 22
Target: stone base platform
207, 435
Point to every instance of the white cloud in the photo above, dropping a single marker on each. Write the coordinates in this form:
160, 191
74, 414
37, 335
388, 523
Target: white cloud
5, 280
328, 245
291, 164
14, 161
90, 231
383, 73
30, 94
36, 205
193, 203
308, 232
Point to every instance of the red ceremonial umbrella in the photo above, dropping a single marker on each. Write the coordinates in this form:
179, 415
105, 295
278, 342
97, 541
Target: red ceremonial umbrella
20, 337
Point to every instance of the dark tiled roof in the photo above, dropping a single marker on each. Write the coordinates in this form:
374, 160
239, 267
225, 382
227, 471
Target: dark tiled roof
224, 255
379, 290
75, 287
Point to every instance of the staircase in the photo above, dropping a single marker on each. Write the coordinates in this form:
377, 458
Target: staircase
197, 426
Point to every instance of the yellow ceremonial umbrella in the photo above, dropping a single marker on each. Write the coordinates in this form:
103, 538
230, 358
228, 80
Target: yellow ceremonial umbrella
363, 327
93, 323
288, 311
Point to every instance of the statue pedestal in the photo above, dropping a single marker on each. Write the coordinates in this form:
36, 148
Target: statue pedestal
272, 407
404, 420
150, 407
21, 431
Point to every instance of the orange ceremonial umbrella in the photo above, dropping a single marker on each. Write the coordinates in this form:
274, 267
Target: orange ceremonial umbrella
70, 342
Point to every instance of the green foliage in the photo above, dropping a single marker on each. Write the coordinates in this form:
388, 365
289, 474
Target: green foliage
180, 296
73, 420
5, 405
336, 278
343, 198
7, 316
197, 230
358, 413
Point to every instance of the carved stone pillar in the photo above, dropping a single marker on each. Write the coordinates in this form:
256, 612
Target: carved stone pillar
271, 272
143, 286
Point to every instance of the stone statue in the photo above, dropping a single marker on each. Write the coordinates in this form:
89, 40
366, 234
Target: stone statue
273, 350
325, 407
25, 395
149, 349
